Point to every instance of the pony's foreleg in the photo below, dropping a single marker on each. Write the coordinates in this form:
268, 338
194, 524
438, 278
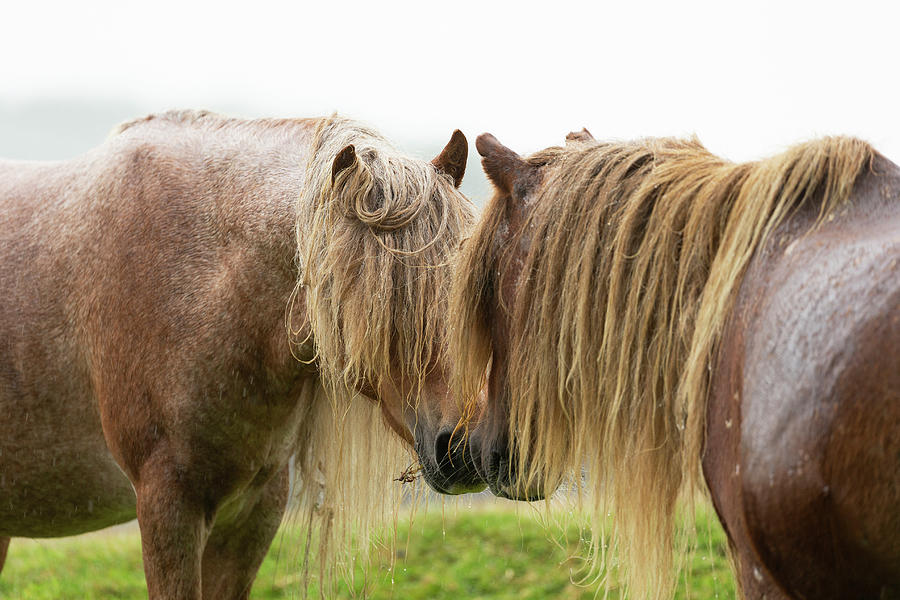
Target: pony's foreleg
4, 546
173, 531
238, 543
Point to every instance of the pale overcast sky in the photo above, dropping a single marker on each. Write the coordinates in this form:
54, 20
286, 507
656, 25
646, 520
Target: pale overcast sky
747, 78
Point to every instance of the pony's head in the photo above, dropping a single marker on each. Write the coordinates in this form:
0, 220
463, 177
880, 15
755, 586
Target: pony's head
376, 231
485, 289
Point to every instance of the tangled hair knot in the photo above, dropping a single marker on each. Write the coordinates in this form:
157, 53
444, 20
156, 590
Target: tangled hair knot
382, 192
375, 231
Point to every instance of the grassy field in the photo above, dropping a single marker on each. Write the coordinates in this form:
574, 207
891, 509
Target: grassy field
467, 552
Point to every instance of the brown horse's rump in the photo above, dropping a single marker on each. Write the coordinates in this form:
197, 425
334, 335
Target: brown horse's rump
803, 409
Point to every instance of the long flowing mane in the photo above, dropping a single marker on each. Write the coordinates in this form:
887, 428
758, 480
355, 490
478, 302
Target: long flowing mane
373, 245
636, 252
373, 251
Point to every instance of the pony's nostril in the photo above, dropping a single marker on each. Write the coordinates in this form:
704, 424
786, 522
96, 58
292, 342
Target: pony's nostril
496, 461
500, 468
442, 450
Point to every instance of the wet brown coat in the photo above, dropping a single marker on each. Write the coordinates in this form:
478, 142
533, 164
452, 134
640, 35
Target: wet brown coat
803, 424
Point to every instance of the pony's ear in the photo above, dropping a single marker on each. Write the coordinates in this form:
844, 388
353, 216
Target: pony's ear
502, 166
452, 159
345, 159
580, 136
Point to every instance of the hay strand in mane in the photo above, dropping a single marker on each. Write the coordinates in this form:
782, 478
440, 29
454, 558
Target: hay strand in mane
636, 252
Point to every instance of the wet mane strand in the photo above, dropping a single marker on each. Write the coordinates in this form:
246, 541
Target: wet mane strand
372, 251
637, 250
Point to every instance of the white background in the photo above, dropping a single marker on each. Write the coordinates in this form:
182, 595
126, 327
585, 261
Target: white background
748, 78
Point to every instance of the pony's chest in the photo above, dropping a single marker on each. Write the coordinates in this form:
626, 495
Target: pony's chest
247, 429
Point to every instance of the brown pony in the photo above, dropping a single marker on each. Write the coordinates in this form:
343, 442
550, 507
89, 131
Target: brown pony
647, 310
158, 293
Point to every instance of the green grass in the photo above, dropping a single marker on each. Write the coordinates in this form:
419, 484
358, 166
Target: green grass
472, 553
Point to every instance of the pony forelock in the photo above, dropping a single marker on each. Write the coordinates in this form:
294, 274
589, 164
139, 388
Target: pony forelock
374, 247
635, 254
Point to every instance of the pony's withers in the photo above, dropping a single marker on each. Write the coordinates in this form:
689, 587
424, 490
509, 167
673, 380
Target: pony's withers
630, 255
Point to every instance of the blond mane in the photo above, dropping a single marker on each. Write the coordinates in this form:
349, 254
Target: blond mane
373, 246
636, 253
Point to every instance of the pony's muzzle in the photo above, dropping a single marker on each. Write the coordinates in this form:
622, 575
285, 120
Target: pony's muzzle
454, 469
498, 466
